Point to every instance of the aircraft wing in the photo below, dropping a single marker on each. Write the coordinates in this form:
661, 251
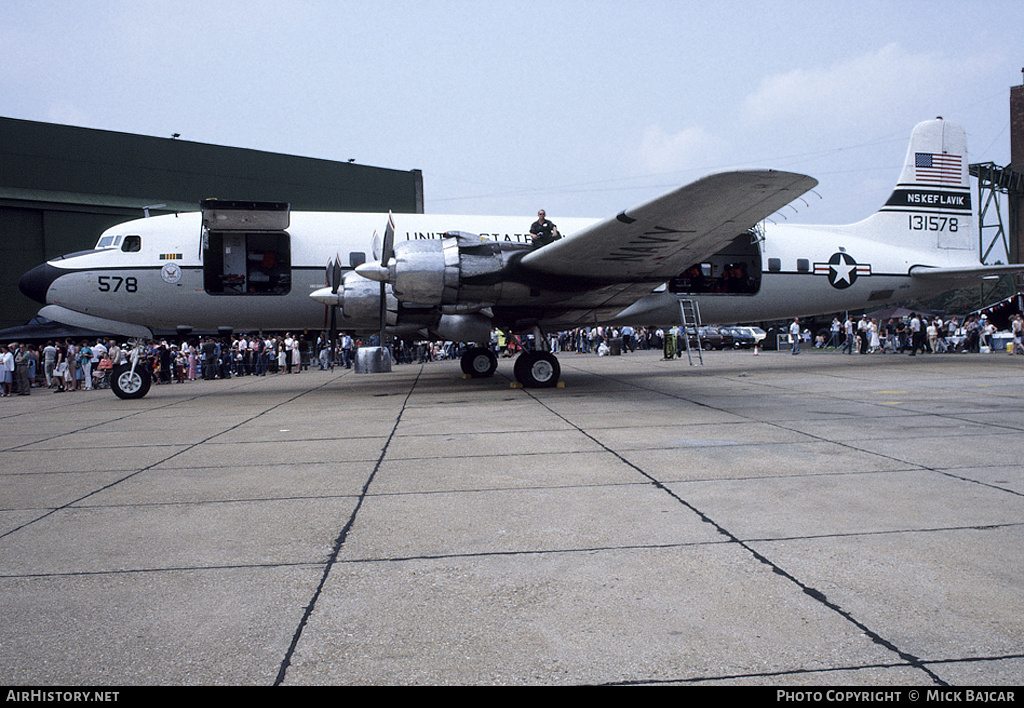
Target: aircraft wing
657, 240
970, 272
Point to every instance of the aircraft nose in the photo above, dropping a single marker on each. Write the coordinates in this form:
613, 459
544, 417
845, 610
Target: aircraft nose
37, 282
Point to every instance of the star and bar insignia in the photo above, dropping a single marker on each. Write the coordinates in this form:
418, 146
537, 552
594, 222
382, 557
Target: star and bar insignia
842, 270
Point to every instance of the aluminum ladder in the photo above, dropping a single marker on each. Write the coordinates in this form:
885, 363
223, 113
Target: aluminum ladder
691, 319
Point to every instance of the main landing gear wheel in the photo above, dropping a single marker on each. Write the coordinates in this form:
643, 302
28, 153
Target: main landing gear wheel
479, 363
537, 369
130, 384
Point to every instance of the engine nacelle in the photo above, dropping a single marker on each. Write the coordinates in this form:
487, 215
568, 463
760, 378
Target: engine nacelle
464, 328
426, 272
358, 303
460, 268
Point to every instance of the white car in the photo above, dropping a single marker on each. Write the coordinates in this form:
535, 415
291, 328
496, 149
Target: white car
756, 332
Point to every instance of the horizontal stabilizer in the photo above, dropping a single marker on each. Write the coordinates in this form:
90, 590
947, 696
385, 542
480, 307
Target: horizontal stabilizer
967, 272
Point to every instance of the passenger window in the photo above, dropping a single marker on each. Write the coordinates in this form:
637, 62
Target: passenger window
131, 244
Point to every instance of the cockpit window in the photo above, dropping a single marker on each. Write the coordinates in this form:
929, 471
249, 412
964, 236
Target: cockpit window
128, 244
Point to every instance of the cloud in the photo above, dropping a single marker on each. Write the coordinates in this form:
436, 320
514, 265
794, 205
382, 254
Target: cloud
890, 84
877, 93
690, 148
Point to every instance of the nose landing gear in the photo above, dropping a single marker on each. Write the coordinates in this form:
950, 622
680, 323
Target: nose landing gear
131, 380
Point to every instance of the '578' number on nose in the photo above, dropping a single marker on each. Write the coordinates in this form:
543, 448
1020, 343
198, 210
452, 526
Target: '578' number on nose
115, 283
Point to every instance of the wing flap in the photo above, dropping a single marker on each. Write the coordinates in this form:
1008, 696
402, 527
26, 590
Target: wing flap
657, 240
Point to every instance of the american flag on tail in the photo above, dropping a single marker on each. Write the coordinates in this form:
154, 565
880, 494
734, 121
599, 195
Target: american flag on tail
938, 168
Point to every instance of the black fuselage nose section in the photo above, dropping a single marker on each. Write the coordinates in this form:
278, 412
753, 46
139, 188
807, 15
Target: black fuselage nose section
37, 282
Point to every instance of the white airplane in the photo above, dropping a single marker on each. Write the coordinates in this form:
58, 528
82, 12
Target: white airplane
255, 266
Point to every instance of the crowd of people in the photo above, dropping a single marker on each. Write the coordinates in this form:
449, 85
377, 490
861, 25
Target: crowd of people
82, 365
586, 340
62, 366
67, 366
918, 333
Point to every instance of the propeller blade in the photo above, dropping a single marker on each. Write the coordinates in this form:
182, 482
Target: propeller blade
387, 252
336, 274
332, 337
388, 247
383, 312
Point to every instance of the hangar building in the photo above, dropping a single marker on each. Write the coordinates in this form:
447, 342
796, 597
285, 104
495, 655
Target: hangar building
61, 186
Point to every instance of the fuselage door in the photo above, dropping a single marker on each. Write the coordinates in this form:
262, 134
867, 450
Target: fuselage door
734, 270
246, 248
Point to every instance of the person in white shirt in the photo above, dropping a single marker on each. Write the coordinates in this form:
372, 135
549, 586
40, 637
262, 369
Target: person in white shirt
7, 369
916, 341
49, 362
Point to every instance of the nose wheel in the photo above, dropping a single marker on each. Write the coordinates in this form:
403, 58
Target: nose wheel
130, 382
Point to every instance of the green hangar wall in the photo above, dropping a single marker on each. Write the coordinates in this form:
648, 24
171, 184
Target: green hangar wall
61, 186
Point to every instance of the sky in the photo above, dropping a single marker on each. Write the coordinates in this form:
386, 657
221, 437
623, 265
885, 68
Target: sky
583, 108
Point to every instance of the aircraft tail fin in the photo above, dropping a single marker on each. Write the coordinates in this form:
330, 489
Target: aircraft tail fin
930, 208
